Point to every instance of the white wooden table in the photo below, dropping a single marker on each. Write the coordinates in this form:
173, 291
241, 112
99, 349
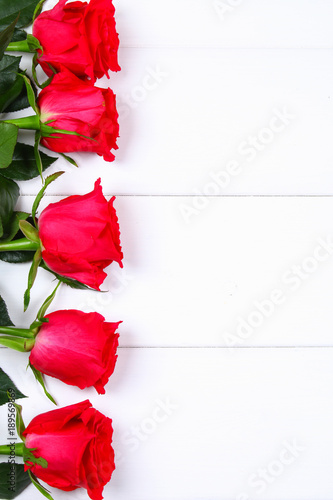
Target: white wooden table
224, 178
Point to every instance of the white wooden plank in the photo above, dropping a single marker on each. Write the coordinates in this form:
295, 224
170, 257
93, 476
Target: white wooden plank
226, 23
262, 120
243, 271
199, 424
223, 23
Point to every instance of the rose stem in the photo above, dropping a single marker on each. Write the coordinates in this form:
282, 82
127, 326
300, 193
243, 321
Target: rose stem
21, 244
6, 449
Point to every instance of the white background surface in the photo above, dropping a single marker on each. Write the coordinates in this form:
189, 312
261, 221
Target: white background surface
223, 386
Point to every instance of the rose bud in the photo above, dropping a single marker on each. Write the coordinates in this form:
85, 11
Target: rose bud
76, 443
70, 104
76, 347
80, 237
80, 36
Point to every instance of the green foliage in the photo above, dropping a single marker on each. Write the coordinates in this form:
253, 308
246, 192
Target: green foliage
40, 195
8, 139
4, 316
6, 35
16, 98
32, 276
17, 257
9, 10
9, 67
24, 166
7, 386
20, 478
9, 193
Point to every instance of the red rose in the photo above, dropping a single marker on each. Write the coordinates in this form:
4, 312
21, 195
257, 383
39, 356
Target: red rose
76, 443
76, 347
80, 36
68, 103
80, 237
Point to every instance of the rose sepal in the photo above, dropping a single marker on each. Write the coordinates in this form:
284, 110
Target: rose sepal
29, 231
33, 122
32, 276
71, 282
38, 9
26, 453
42, 310
32, 241
40, 194
30, 459
20, 426
39, 487
23, 340
20, 449
39, 377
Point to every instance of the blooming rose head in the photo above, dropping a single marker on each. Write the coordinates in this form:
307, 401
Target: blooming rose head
70, 104
80, 237
76, 347
80, 36
76, 443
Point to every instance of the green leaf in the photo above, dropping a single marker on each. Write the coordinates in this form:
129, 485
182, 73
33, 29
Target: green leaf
13, 480
9, 68
6, 35
39, 487
23, 166
8, 139
10, 10
11, 84
17, 257
32, 276
7, 385
4, 316
40, 195
9, 193
40, 379
9, 97
69, 159
19, 35
13, 226
46, 304
21, 102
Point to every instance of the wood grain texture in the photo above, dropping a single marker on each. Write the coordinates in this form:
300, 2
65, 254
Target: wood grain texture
223, 177
201, 424
242, 271
259, 120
